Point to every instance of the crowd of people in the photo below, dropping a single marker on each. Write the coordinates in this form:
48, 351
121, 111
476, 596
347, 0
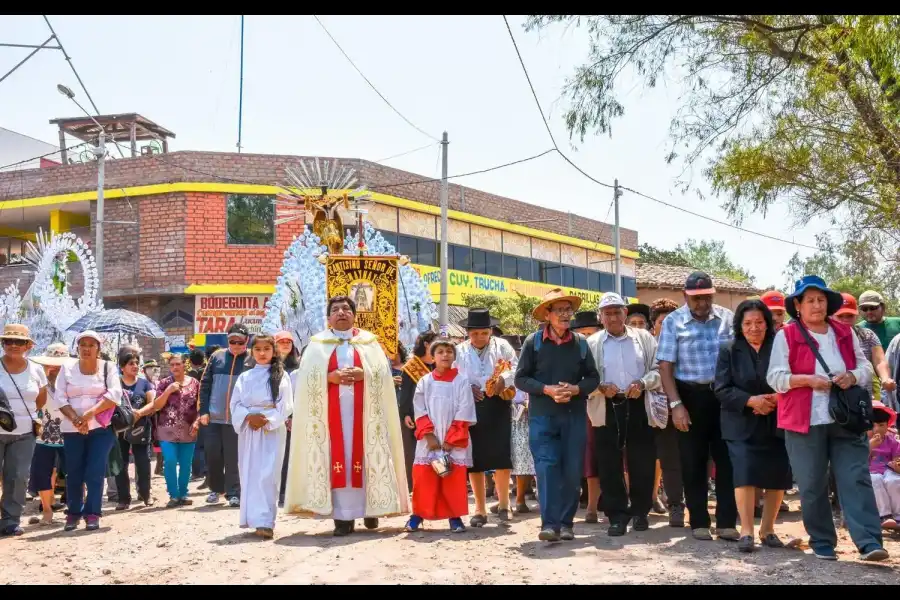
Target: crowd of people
630, 410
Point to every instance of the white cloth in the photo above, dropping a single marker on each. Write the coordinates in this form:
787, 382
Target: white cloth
623, 361
444, 402
24, 407
477, 369
887, 493
82, 392
260, 452
349, 502
779, 374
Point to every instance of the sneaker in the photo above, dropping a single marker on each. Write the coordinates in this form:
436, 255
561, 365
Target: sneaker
641, 523
123, 505
873, 553
213, 498
415, 522
746, 544
566, 534
92, 523
234, 502
617, 529
676, 516
12, 531
71, 523
185, 502
173, 503
456, 525
548, 535
825, 553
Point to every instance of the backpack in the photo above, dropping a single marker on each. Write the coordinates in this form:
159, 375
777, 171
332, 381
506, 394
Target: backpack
582, 342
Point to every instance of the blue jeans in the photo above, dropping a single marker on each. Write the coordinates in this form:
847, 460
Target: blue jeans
557, 445
86, 459
849, 458
177, 458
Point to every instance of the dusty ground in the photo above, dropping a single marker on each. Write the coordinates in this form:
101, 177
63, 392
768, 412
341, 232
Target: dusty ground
202, 544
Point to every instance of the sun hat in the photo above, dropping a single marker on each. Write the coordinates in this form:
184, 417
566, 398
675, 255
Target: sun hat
835, 300
849, 307
56, 355
89, 334
16, 331
542, 310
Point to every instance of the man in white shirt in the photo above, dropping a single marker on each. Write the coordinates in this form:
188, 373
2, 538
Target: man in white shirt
619, 410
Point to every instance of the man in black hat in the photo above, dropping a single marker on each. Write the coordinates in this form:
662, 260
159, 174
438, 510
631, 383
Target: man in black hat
220, 440
477, 359
688, 351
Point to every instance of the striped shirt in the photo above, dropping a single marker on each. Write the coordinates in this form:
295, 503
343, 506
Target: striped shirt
694, 346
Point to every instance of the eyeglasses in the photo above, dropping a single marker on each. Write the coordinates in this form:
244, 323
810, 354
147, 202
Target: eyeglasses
237, 342
8, 342
869, 308
563, 311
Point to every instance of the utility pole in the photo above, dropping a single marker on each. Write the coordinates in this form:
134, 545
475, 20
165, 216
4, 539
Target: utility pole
100, 153
445, 191
617, 193
241, 89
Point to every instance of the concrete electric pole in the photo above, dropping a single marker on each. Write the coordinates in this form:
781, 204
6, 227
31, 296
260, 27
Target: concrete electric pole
617, 193
445, 191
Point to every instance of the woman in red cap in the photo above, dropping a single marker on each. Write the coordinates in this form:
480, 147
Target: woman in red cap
774, 300
870, 344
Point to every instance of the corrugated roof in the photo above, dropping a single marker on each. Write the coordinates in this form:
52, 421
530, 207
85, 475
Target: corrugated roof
671, 277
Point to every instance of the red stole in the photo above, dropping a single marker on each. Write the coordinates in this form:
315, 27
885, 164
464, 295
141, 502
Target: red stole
336, 429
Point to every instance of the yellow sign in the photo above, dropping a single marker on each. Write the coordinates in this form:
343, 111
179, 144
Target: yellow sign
371, 282
461, 283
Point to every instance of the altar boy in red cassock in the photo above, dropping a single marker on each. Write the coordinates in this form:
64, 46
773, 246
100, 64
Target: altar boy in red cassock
444, 409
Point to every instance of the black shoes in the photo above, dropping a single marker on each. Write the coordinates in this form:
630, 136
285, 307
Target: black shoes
641, 523
370, 523
342, 528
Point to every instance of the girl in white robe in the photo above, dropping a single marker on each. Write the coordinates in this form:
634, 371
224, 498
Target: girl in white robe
261, 402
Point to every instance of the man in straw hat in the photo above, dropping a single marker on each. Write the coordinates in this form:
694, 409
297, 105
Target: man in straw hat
558, 372
477, 359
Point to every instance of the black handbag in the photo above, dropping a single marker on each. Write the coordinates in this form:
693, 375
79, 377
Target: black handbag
7, 417
850, 408
123, 415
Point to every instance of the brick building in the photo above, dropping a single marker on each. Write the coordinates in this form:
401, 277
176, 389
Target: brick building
174, 232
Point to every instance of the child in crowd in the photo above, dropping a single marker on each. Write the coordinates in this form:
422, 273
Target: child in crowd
443, 409
260, 404
884, 465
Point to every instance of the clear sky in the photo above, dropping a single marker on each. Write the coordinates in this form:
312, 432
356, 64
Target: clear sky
301, 96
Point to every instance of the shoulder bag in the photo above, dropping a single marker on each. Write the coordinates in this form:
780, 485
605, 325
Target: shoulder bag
850, 408
123, 415
36, 426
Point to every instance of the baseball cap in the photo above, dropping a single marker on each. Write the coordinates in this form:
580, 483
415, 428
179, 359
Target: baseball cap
610, 299
849, 306
238, 329
699, 284
773, 299
871, 298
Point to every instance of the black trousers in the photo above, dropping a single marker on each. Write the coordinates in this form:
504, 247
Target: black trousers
141, 470
702, 441
409, 451
626, 437
221, 445
284, 467
668, 454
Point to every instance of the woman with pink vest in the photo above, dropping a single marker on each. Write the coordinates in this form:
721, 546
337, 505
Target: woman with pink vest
812, 438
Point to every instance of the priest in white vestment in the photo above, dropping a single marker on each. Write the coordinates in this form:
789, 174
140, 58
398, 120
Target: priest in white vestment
346, 458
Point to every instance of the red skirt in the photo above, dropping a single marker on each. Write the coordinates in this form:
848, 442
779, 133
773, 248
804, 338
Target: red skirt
436, 498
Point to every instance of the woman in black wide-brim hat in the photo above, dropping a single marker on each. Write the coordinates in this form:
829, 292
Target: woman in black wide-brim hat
491, 435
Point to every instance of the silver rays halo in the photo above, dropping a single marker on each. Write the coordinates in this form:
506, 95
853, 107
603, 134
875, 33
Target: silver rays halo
324, 176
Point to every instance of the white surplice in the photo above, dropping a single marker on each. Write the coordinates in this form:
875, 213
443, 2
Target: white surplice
349, 502
444, 402
260, 452
477, 367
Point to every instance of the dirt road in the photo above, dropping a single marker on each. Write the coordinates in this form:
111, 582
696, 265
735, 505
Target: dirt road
202, 544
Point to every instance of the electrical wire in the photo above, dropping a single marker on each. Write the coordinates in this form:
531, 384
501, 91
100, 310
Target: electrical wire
371, 85
22, 162
408, 152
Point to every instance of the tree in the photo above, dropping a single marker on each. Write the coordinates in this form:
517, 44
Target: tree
799, 108
513, 313
704, 255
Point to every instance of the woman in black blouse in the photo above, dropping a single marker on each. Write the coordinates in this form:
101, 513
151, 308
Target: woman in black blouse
408, 379
757, 451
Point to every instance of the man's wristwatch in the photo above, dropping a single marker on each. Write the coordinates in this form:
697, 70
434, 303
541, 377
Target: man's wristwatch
674, 403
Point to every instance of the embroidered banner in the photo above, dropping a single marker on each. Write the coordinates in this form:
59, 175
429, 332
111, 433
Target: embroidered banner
371, 282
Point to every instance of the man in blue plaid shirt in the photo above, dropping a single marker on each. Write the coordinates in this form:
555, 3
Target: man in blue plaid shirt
687, 354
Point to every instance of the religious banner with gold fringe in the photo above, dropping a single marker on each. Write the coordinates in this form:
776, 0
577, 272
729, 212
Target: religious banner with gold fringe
371, 282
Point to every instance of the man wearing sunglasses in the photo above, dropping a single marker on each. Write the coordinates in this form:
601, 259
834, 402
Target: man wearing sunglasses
871, 305
220, 440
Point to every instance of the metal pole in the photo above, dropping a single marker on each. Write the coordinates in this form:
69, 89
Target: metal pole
101, 172
616, 238
443, 318
241, 91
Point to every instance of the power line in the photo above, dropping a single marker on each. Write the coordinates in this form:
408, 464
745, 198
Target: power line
725, 223
637, 193
22, 162
414, 150
371, 85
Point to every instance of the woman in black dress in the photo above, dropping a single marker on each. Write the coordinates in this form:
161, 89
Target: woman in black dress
755, 445
414, 369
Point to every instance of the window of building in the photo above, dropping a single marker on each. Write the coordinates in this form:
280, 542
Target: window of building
390, 238
250, 219
567, 276
629, 286
580, 278
460, 257
548, 272
428, 253
493, 264
510, 267
525, 268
